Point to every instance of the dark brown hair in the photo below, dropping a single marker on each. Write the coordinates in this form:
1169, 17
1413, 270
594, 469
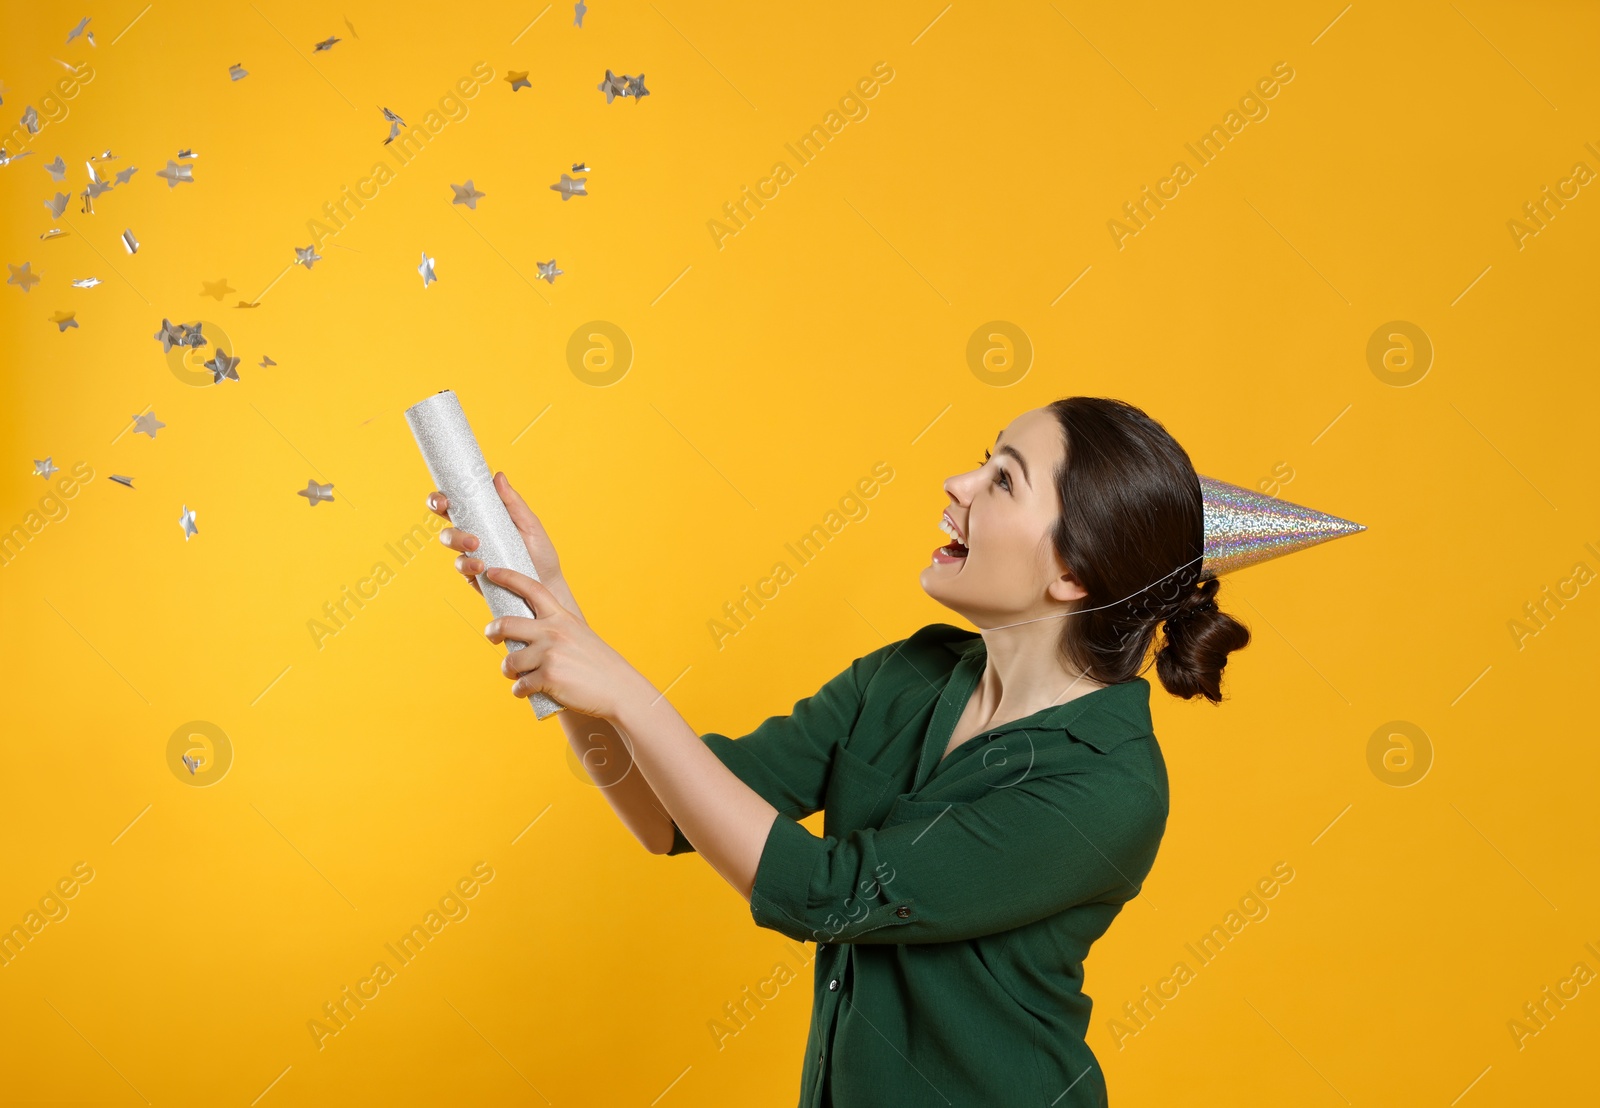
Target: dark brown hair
1132, 530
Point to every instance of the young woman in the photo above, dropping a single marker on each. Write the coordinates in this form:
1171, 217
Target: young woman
992, 799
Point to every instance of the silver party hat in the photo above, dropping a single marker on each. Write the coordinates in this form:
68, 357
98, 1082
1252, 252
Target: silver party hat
1244, 527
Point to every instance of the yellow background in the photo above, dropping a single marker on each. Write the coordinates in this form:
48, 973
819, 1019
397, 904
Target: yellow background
769, 376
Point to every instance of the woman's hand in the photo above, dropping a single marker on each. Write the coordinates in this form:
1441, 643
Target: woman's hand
540, 548
564, 659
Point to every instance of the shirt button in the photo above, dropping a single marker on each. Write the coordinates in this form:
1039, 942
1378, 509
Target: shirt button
833, 986
902, 911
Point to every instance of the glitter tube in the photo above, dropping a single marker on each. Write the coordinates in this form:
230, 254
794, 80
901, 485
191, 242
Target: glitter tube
459, 471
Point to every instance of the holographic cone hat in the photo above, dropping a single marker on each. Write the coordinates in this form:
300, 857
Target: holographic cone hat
1245, 528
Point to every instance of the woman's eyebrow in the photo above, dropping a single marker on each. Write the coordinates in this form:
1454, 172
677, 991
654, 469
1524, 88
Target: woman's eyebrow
1021, 461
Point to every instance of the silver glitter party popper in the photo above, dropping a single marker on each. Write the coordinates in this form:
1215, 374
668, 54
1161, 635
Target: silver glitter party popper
459, 471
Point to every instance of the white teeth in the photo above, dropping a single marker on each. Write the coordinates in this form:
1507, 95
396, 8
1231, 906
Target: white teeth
946, 526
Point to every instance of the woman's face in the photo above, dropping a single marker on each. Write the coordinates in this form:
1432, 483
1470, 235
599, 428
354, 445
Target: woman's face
1004, 511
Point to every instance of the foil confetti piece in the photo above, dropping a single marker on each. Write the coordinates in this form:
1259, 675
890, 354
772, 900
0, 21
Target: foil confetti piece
53, 233
613, 86
44, 468
222, 366
187, 153
186, 521
124, 174
577, 13
314, 493
548, 271
86, 283
129, 243
580, 167
57, 204
569, 187
175, 173
30, 120
307, 256
426, 269
22, 275
57, 169
466, 194
237, 71
325, 44
121, 480
78, 30
147, 424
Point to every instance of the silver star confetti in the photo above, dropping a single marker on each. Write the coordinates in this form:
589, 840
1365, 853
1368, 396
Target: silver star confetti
44, 468
86, 283
307, 256
548, 271
121, 480
392, 118
175, 173
466, 194
314, 492
568, 187
22, 275
54, 232
426, 269
147, 424
613, 86
394, 133
181, 334
636, 87
129, 243
57, 168
221, 365
193, 761
7, 158
577, 13
325, 44
186, 521
236, 71
187, 153
580, 167
123, 175
78, 30
30, 120
97, 184
58, 204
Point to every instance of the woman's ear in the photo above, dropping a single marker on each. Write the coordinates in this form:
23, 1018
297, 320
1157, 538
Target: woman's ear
1066, 587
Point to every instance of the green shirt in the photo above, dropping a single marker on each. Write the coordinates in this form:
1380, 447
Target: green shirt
954, 902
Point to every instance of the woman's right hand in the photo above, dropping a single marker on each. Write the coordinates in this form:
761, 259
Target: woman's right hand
538, 543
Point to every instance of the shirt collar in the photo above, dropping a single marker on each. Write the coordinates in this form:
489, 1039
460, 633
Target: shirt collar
1105, 718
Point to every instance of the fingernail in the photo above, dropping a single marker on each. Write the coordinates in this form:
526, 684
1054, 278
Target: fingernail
433, 502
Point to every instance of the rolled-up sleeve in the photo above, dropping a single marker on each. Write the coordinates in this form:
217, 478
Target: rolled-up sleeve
942, 872
787, 759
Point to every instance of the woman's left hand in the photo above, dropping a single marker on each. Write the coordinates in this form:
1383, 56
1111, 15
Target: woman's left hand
564, 659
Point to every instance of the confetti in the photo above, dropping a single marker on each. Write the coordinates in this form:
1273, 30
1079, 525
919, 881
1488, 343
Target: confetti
103, 156
636, 87
548, 271
53, 233
580, 167
57, 168
266, 361
7, 158
466, 194
147, 424
63, 320
86, 283
44, 468
187, 153
394, 133
568, 187
236, 71
58, 204
517, 77
78, 30
192, 760
123, 175
121, 480
30, 120
129, 243
180, 334
392, 118
22, 275
221, 365
307, 256
186, 521
175, 173
314, 492
426, 269
577, 13
325, 44
218, 288
613, 86
97, 184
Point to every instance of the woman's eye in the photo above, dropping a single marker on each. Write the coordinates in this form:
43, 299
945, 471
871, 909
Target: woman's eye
1002, 473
